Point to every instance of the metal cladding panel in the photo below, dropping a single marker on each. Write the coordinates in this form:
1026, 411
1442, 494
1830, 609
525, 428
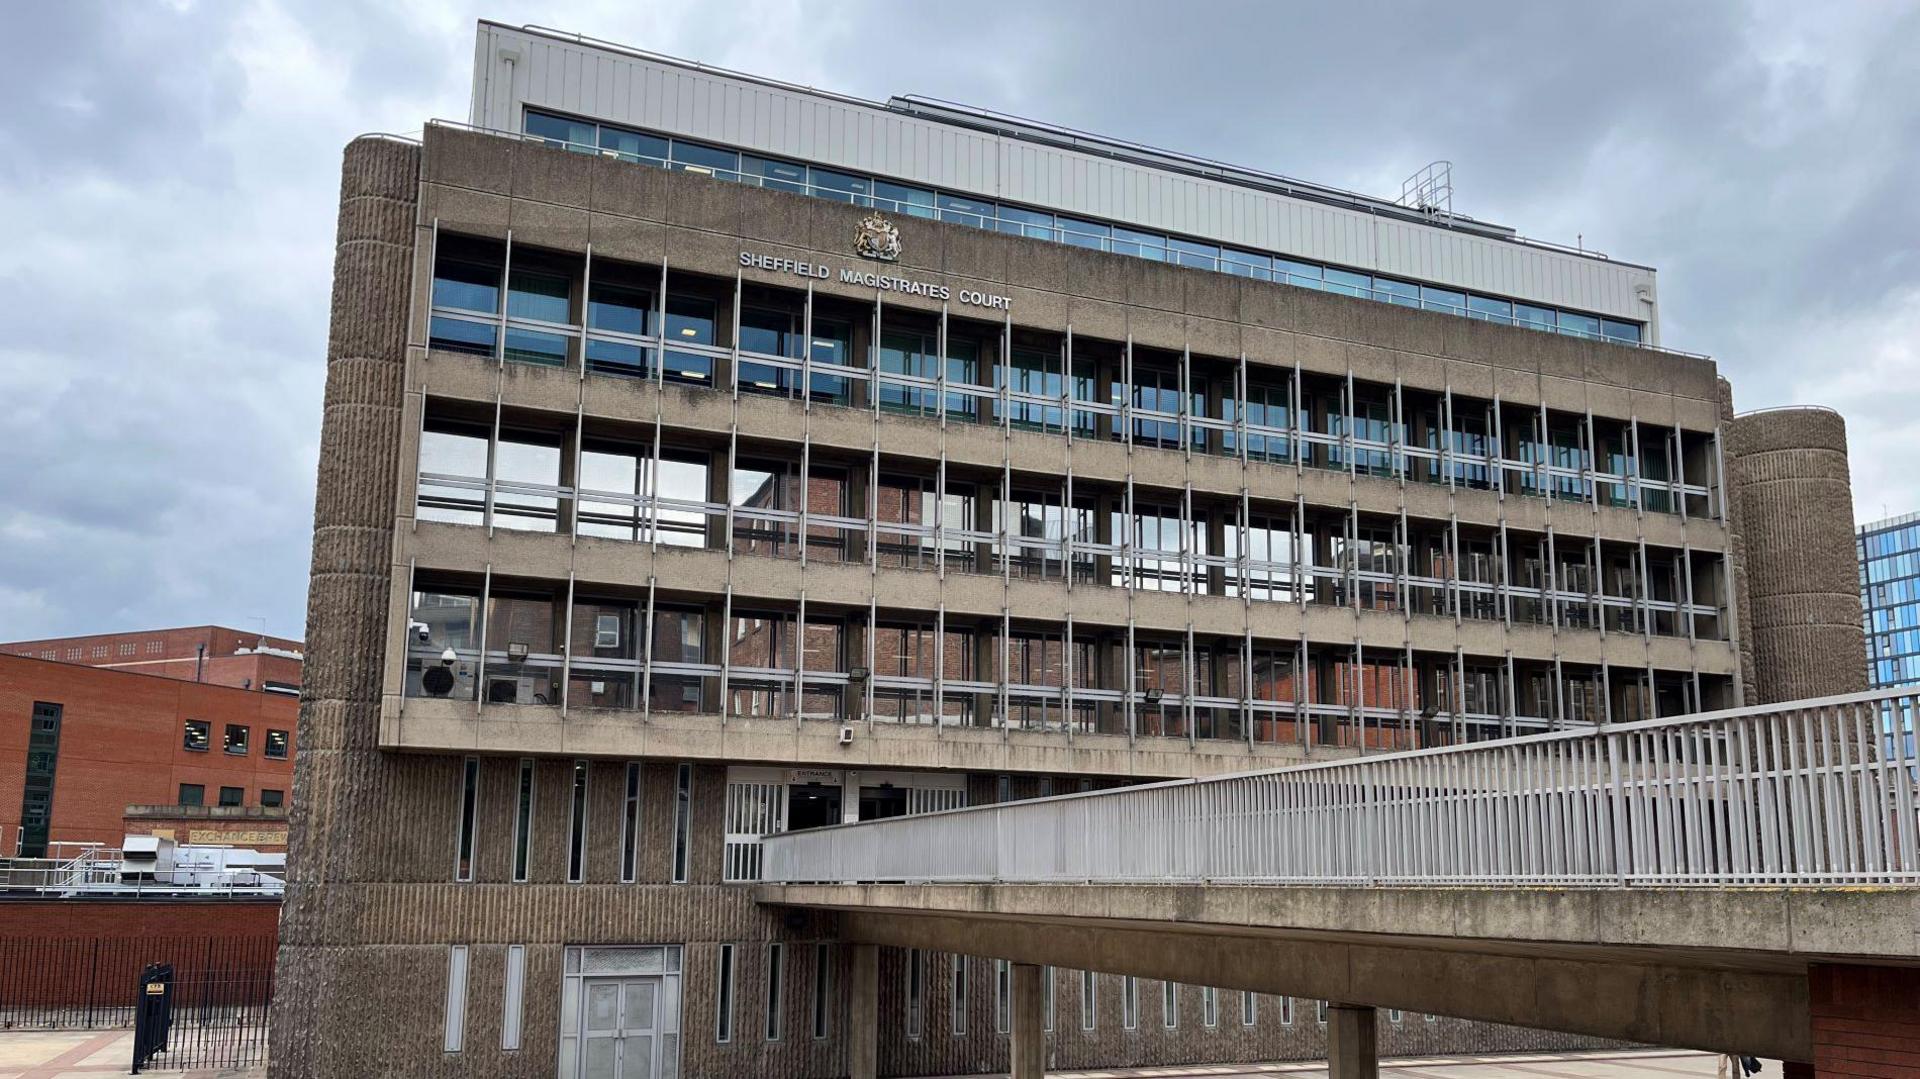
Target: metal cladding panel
843, 133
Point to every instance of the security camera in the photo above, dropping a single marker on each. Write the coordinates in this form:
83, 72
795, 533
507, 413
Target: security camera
448, 658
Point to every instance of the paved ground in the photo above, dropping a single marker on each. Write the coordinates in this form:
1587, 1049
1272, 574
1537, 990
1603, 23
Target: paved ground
1653, 1064
71, 1054
74, 1054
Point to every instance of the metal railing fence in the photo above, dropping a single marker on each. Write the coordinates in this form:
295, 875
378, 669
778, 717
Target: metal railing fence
1809, 792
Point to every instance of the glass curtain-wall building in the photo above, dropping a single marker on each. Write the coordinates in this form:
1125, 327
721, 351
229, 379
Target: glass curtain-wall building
1890, 599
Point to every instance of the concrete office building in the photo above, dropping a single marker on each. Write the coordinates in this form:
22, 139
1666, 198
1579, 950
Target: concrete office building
706, 457
1890, 599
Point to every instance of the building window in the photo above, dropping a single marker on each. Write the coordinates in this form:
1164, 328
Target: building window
277, 743
577, 825
512, 1006
776, 974
1394, 1015
916, 990
236, 739
1286, 1011
1320, 1012
272, 799
1003, 789
523, 821
682, 820
1249, 1009
630, 826
822, 987
1088, 1014
193, 794
36, 797
469, 817
1046, 988
1129, 1003
959, 1004
199, 735
1170, 1004
1210, 1006
233, 796
456, 1013
1002, 993
723, 996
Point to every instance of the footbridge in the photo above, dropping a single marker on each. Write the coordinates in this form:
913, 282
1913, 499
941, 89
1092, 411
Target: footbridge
1739, 881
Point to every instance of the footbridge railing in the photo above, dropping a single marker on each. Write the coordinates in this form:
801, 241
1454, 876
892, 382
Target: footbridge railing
1809, 792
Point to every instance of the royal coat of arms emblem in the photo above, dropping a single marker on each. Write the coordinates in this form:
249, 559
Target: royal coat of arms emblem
877, 238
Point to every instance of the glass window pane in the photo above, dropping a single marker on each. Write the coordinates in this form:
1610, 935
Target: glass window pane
1144, 245
1616, 330
1030, 223
842, 187
633, 146
1440, 299
538, 296
1348, 283
1404, 293
1490, 309
1540, 318
467, 286
1578, 325
693, 157
1080, 233
621, 310
1246, 263
578, 134
973, 212
1307, 274
912, 201
780, 175
1190, 253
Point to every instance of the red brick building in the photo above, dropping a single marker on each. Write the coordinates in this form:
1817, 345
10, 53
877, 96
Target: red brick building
81, 746
212, 654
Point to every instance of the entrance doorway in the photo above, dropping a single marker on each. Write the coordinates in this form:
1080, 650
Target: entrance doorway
812, 805
620, 1038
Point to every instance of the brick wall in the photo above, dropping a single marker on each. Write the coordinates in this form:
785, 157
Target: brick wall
1866, 1020
90, 952
121, 743
175, 653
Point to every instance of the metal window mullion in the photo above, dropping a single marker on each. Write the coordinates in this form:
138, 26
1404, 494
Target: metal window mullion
660, 331
566, 649
1184, 421
800, 659
480, 668
1187, 689
646, 664
806, 352
1639, 505
586, 306
493, 456
506, 289
1497, 460
1067, 680
1006, 641
726, 648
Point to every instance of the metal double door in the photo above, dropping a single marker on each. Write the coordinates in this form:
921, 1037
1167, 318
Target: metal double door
620, 1037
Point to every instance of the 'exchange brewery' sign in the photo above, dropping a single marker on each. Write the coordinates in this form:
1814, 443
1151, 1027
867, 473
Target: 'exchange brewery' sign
876, 238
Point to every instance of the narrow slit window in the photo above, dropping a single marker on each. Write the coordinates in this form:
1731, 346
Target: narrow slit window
1170, 1004
1002, 992
1249, 1009
1129, 1003
682, 820
822, 987
959, 994
577, 825
916, 986
1209, 1006
515, 996
776, 975
523, 821
723, 996
1087, 1002
1046, 982
456, 1013
630, 826
469, 818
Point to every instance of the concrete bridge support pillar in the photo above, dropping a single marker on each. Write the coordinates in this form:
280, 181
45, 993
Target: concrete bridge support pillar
863, 1013
1353, 1048
1029, 1023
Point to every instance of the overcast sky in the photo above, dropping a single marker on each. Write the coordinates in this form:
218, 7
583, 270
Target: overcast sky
169, 172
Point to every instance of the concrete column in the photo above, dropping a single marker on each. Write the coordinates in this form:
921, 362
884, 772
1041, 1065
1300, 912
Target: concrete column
1352, 1049
863, 1013
1029, 1023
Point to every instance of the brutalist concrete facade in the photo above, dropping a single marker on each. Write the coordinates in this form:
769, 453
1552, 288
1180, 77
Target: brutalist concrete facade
1794, 506
374, 905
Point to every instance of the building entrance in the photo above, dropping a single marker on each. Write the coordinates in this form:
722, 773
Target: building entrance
621, 1036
